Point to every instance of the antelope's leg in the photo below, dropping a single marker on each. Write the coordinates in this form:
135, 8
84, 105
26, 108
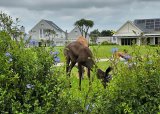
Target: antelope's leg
67, 65
69, 70
80, 74
83, 70
88, 73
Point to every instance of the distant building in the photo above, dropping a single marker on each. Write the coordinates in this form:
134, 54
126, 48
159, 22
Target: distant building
109, 39
74, 34
48, 32
140, 31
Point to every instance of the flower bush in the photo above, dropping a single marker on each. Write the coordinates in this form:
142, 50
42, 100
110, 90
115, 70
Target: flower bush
30, 83
134, 90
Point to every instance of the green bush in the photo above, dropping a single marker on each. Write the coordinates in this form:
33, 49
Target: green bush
134, 90
108, 43
28, 83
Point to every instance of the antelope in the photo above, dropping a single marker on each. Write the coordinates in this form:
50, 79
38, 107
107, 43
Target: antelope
82, 40
76, 52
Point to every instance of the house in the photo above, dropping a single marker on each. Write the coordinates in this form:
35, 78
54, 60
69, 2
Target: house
74, 34
47, 32
140, 31
109, 39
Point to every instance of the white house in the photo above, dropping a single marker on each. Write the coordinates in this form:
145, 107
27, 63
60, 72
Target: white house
109, 39
42, 32
139, 31
74, 34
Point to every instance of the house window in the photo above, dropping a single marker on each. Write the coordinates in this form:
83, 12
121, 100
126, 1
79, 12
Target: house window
156, 40
57, 35
150, 24
148, 41
140, 21
157, 24
41, 33
128, 41
114, 38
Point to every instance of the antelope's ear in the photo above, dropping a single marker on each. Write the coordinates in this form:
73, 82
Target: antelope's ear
108, 70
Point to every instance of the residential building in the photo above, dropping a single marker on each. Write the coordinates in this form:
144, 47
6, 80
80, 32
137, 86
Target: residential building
74, 34
140, 31
48, 32
109, 39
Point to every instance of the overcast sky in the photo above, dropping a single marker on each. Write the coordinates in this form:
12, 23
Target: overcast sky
106, 14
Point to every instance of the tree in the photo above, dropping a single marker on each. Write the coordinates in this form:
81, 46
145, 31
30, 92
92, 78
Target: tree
94, 35
107, 33
50, 34
8, 25
84, 26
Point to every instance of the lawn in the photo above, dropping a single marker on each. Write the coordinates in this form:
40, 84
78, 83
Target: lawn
101, 51
105, 51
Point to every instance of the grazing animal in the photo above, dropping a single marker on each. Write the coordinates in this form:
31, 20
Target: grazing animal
124, 55
82, 40
76, 52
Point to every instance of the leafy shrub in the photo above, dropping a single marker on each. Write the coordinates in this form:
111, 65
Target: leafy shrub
134, 90
28, 83
108, 43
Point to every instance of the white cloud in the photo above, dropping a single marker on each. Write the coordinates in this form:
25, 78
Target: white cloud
106, 14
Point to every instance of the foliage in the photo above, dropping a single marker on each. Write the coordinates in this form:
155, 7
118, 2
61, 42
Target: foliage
107, 43
7, 24
94, 35
107, 33
50, 34
135, 87
30, 83
84, 25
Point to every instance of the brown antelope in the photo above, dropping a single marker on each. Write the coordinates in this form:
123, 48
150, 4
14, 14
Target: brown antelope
82, 40
76, 52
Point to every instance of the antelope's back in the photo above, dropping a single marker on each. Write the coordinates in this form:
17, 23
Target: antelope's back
82, 40
77, 49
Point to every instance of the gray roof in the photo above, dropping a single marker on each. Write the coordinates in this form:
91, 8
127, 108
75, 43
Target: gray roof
148, 25
53, 25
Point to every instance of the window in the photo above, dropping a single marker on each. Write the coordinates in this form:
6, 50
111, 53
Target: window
140, 21
114, 38
148, 41
41, 33
157, 24
150, 24
156, 40
128, 41
57, 35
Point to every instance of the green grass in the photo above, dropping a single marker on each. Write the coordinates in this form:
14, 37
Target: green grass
105, 51
73, 93
102, 51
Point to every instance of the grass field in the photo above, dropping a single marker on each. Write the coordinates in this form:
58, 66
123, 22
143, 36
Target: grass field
102, 51
105, 51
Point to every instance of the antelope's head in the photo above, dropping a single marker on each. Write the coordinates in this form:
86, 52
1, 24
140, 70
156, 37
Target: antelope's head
104, 76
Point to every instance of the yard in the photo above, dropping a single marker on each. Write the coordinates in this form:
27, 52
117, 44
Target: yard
128, 92
105, 51
30, 83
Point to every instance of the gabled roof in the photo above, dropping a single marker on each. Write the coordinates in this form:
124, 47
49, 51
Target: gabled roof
75, 29
49, 23
146, 26
131, 24
53, 25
